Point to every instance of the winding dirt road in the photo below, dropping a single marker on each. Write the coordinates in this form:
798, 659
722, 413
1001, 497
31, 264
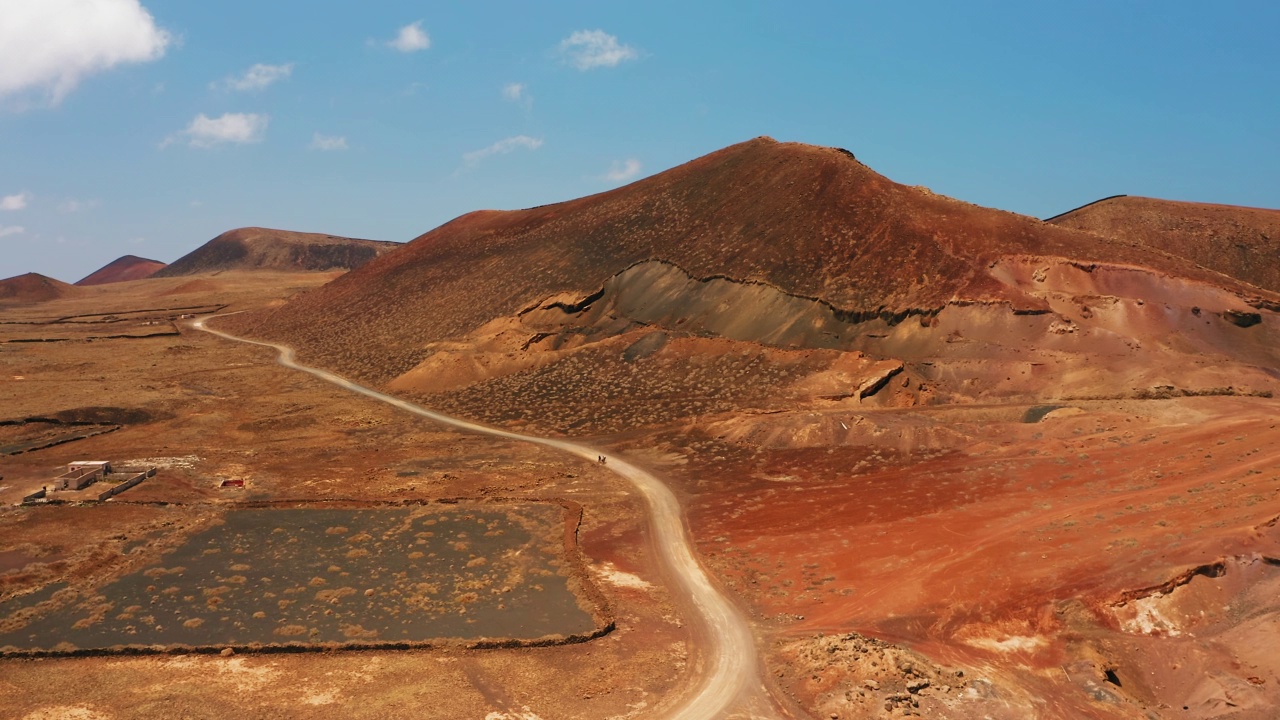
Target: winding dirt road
730, 686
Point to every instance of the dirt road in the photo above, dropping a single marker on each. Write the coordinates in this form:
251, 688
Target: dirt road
730, 685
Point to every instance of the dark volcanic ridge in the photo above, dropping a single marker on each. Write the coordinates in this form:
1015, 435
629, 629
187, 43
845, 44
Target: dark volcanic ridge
1241, 242
123, 269
266, 249
33, 288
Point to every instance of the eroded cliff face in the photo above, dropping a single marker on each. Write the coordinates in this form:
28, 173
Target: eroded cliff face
1068, 332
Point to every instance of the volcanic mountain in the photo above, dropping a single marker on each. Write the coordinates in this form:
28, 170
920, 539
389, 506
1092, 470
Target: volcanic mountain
129, 267
1044, 460
1242, 242
255, 248
791, 271
33, 288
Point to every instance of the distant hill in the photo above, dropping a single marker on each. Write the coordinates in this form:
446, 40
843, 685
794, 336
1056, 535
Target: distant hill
129, 267
255, 248
812, 223
1241, 242
33, 288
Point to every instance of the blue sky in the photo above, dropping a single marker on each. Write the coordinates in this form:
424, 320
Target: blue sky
150, 128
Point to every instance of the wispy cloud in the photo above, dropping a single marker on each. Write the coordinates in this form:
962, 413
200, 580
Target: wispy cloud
518, 93
48, 47
11, 230
72, 205
411, 38
328, 142
15, 202
502, 147
588, 49
414, 88
255, 78
623, 170
237, 128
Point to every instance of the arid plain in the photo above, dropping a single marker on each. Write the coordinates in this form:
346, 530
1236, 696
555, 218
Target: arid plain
947, 461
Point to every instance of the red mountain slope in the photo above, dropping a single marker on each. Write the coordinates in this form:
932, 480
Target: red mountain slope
1242, 242
32, 288
265, 249
810, 222
129, 267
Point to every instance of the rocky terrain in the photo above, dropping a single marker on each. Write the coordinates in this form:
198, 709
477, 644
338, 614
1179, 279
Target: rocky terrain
282, 250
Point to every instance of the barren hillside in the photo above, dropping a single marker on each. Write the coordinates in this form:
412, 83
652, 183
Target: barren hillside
33, 288
129, 267
804, 226
951, 462
1242, 242
265, 249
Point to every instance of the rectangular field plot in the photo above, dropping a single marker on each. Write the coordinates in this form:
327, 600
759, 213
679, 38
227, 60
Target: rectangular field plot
333, 577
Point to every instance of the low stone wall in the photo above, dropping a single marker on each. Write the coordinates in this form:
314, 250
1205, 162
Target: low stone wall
117, 489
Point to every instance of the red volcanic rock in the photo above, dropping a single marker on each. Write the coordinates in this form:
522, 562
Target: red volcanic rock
32, 288
265, 249
1241, 242
811, 222
129, 267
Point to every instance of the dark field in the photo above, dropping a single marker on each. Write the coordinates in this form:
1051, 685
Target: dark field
303, 576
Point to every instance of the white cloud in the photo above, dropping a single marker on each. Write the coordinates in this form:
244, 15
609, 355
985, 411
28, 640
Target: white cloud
518, 93
48, 46
15, 202
11, 230
72, 205
411, 38
622, 171
328, 142
255, 78
205, 132
587, 49
502, 147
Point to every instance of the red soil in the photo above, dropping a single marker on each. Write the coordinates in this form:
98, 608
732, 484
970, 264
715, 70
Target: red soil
853, 383
129, 267
810, 221
33, 288
1240, 242
1016, 554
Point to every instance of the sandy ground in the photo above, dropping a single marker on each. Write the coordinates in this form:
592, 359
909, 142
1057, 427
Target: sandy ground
206, 410
1081, 558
